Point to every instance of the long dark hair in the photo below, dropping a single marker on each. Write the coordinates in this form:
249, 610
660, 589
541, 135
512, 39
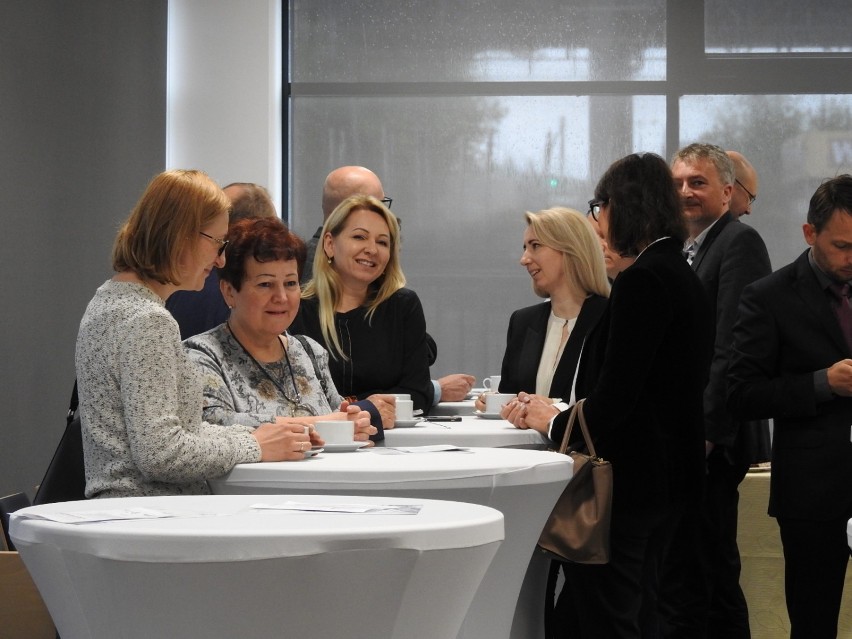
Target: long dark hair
643, 203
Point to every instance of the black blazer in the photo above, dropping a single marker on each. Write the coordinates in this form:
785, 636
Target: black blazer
643, 373
787, 330
731, 256
525, 343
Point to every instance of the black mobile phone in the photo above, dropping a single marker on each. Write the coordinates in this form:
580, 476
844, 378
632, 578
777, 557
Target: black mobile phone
443, 418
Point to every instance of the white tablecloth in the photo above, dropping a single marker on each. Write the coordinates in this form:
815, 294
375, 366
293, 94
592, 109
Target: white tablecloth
471, 431
466, 407
223, 569
522, 484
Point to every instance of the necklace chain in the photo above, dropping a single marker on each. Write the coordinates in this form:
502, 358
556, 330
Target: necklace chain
265, 370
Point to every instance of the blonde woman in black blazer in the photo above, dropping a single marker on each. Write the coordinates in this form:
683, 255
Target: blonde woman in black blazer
563, 256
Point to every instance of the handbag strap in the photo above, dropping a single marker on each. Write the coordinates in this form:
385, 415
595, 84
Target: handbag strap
72, 405
304, 342
577, 412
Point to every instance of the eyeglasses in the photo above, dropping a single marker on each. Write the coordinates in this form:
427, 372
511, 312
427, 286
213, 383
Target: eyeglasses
387, 201
222, 243
751, 196
595, 208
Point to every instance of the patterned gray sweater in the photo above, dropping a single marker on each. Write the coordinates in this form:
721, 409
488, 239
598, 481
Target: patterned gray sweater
238, 390
140, 402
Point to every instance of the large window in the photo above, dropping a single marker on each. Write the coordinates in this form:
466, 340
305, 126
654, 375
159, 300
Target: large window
472, 113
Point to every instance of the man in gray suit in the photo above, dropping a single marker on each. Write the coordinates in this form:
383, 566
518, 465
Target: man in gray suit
700, 595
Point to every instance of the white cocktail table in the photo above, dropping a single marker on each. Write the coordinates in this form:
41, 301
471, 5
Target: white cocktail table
522, 484
222, 569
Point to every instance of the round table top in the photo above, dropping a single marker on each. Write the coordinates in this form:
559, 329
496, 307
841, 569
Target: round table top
472, 430
369, 467
231, 527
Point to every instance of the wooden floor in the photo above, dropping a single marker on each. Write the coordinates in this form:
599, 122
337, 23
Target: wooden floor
762, 577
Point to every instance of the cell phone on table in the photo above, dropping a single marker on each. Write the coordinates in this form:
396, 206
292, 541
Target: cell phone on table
444, 418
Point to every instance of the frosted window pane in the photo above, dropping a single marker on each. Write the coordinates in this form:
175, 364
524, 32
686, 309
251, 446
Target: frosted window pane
780, 26
462, 171
495, 40
793, 141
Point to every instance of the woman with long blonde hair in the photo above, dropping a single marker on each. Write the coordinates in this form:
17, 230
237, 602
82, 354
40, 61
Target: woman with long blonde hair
357, 306
563, 257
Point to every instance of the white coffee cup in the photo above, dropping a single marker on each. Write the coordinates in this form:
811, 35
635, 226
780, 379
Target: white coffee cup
401, 396
492, 383
494, 402
336, 432
404, 409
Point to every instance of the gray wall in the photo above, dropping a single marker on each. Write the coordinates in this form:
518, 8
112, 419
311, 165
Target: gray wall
82, 130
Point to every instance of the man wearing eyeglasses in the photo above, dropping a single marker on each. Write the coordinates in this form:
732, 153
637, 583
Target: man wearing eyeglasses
700, 595
744, 192
340, 184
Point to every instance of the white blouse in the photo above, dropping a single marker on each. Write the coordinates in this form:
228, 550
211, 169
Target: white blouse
558, 331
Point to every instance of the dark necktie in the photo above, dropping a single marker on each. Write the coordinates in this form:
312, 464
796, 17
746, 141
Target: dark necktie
843, 310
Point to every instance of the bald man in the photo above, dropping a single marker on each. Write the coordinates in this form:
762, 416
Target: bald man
358, 180
745, 185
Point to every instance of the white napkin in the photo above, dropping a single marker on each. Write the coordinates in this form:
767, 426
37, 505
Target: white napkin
362, 509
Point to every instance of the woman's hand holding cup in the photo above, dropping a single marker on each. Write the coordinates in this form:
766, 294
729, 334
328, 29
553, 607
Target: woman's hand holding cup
285, 442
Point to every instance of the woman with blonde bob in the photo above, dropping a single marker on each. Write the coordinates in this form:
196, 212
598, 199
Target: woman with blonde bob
357, 307
140, 396
563, 257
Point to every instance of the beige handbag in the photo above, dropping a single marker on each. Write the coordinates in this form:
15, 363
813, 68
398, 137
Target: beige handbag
578, 528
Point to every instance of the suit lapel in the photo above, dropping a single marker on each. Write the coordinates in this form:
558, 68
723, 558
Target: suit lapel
590, 313
712, 234
806, 285
533, 345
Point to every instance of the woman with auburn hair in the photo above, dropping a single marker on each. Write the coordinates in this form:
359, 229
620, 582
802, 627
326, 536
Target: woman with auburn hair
357, 307
254, 370
563, 258
140, 396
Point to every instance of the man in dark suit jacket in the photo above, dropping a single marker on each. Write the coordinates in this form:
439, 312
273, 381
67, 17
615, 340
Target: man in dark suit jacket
792, 361
700, 594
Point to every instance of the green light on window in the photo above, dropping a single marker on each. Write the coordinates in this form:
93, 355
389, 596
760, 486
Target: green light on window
554, 183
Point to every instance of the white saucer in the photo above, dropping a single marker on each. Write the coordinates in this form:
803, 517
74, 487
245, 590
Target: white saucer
406, 423
482, 415
313, 452
344, 448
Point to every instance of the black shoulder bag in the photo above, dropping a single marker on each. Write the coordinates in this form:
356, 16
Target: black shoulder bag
65, 479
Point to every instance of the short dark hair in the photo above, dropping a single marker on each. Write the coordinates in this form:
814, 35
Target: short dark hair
266, 239
834, 194
643, 203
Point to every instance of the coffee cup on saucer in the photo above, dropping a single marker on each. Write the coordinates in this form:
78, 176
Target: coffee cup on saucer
404, 409
492, 383
336, 432
494, 402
